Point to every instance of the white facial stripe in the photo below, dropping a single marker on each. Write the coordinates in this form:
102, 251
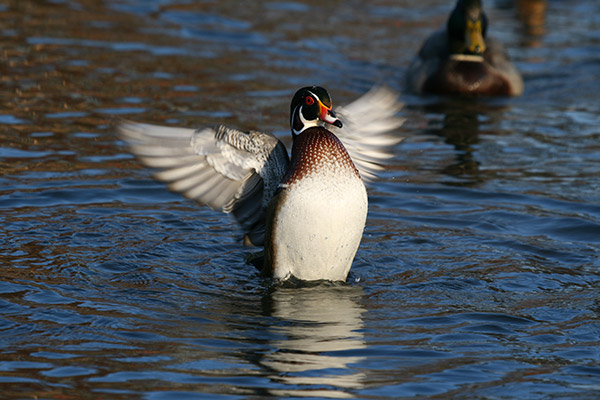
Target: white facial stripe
305, 123
292, 119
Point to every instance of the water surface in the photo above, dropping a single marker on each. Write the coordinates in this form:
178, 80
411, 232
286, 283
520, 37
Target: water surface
478, 275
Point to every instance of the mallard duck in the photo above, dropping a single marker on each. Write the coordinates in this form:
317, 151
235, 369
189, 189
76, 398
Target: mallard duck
308, 212
462, 60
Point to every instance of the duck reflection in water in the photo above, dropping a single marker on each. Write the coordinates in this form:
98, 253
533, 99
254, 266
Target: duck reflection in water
317, 336
460, 128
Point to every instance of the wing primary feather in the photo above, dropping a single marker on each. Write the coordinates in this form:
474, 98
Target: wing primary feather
222, 168
368, 132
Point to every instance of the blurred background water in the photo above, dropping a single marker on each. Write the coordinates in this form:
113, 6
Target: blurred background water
478, 275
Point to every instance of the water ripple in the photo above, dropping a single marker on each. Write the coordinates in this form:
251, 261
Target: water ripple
477, 276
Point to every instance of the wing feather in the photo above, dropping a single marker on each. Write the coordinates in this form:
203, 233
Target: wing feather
224, 168
368, 131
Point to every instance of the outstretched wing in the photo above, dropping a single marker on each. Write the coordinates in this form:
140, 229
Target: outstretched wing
226, 169
367, 134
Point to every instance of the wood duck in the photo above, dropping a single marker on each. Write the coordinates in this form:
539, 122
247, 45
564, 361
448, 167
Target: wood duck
308, 212
462, 60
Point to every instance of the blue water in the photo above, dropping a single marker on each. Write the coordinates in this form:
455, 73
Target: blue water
478, 276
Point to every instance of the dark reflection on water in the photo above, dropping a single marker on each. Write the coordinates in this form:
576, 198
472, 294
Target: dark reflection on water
478, 273
460, 128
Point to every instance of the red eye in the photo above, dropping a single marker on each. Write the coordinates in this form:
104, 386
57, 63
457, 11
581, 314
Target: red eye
310, 101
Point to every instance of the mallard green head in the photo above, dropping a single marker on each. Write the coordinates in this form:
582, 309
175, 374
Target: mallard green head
467, 27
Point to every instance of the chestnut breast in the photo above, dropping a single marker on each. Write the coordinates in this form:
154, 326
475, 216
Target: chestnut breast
315, 150
467, 77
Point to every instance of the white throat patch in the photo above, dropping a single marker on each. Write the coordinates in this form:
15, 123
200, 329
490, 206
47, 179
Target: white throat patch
305, 123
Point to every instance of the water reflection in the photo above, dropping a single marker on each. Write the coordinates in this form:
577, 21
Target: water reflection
318, 331
460, 122
112, 287
459, 128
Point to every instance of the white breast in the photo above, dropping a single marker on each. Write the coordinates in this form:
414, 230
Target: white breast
318, 226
